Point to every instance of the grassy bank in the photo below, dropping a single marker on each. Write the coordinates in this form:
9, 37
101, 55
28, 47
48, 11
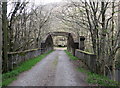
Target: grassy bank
8, 77
94, 78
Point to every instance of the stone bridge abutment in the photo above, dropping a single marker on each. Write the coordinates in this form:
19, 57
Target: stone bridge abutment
72, 42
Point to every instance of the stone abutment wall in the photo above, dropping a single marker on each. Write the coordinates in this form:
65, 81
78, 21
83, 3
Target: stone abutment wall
71, 44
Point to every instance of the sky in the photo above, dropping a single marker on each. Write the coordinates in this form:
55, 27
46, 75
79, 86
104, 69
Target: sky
37, 2
46, 1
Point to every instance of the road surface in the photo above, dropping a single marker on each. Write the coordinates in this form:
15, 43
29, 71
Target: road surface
55, 69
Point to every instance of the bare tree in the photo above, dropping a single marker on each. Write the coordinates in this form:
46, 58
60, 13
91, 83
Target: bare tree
5, 36
23, 29
0, 38
19, 6
26, 26
99, 18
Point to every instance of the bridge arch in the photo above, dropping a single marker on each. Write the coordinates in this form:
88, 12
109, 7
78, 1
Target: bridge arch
72, 41
47, 43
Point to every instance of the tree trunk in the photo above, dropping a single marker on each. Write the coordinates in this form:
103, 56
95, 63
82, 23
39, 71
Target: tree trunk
0, 39
5, 36
113, 57
103, 36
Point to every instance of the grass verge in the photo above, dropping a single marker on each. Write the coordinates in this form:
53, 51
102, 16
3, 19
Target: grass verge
100, 80
94, 78
8, 77
71, 56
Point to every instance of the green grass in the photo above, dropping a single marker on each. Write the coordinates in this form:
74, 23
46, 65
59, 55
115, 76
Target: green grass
8, 77
71, 56
101, 80
0, 80
94, 78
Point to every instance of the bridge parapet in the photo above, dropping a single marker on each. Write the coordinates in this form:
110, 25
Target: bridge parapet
88, 58
15, 58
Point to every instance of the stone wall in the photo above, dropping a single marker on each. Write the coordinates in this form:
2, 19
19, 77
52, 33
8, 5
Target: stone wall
15, 58
117, 75
88, 58
70, 44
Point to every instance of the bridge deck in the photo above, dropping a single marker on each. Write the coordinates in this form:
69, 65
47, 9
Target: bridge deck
54, 70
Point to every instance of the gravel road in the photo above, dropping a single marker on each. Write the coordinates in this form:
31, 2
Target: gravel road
55, 69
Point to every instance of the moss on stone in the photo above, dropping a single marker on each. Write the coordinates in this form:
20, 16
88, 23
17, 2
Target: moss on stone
85, 52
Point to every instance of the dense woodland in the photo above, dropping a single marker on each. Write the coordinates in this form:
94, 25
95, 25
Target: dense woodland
26, 24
